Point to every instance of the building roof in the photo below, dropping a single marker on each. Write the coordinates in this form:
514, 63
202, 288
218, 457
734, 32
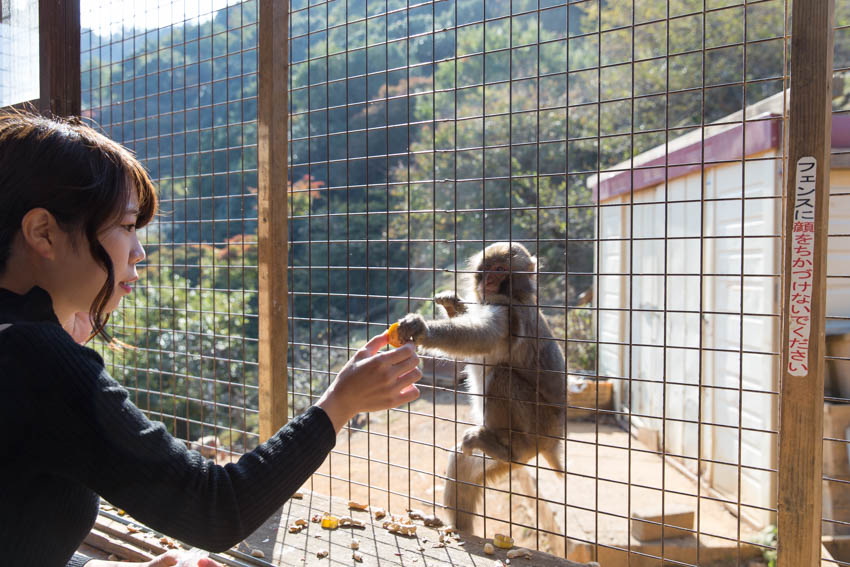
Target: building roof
725, 140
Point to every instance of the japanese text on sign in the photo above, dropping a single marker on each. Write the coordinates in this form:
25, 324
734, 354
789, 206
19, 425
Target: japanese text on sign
802, 267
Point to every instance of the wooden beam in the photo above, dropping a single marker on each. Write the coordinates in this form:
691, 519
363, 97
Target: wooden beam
273, 240
59, 56
802, 339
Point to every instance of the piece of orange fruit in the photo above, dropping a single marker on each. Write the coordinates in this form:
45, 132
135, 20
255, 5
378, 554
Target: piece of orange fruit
394, 339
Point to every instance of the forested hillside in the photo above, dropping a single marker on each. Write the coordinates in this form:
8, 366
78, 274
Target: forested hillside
416, 135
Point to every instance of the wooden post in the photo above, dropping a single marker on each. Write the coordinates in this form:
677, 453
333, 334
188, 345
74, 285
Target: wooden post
804, 290
59, 56
272, 207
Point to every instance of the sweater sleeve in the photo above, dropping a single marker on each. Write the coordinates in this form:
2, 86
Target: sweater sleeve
106, 443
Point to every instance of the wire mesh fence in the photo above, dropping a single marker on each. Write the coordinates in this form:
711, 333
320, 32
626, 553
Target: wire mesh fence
18, 52
177, 84
637, 149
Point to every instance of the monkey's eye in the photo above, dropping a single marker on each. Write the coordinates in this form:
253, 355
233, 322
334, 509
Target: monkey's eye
499, 268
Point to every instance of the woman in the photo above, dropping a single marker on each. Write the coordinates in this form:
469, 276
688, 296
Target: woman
71, 201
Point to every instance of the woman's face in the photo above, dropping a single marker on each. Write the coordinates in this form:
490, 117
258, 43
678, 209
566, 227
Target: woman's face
83, 277
122, 244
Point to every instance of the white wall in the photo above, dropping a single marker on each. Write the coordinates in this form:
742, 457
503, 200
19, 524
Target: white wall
739, 332
838, 259
666, 329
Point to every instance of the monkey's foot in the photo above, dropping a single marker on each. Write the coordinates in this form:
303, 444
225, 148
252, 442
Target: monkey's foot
463, 521
486, 441
471, 439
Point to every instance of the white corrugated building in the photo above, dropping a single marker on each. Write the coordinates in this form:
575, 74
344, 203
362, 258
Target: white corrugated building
685, 221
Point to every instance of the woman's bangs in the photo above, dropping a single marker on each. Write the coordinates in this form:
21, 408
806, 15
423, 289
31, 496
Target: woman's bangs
146, 194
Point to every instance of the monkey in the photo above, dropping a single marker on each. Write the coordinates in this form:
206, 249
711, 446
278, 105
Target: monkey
517, 373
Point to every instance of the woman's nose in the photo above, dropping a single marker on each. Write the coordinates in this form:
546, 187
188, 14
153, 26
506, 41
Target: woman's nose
137, 254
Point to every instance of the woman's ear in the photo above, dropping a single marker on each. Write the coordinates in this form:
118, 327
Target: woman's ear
39, 231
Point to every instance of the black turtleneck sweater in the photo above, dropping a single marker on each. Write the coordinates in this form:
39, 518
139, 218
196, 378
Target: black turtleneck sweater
70, 433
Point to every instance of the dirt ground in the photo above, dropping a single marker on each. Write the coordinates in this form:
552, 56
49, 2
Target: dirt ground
396, 460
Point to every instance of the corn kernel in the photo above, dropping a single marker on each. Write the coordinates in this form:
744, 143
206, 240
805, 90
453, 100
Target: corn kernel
503, 541
330, 522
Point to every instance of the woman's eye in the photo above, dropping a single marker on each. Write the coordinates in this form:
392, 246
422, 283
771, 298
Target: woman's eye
129, 227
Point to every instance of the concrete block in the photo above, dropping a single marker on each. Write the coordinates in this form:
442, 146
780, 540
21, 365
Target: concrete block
643, 528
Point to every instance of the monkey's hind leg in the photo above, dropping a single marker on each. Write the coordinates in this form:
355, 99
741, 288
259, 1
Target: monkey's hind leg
464, 489
556, 457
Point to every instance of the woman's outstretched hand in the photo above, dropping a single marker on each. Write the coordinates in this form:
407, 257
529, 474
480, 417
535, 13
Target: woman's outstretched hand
372, 381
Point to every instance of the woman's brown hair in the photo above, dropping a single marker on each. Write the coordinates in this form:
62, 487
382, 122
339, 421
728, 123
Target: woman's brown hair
80, 176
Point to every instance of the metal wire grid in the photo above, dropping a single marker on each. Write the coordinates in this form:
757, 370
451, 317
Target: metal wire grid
5, 55
836, 474
182, 96
18, 52
343, 208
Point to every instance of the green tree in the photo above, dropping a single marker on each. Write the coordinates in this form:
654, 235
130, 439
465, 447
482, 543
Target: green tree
192, 334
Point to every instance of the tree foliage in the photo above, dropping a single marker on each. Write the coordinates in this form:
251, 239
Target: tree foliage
418, 135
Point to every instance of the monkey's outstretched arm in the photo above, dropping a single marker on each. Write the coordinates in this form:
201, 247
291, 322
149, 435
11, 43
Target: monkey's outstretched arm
480, 331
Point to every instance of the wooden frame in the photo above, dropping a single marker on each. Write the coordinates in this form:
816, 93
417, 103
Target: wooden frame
801, 399
59, 56
272, 121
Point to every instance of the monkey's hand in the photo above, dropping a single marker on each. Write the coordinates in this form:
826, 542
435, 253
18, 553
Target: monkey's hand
412, 327
451, 303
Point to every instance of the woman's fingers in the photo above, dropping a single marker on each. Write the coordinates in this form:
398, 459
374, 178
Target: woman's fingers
406, 391
407, 395
404, 352
172, 558
167, 559
377, 342
409, 377
405, 365
372, 346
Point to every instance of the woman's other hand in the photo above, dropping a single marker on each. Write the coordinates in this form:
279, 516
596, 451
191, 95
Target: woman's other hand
173, 558
372, 381
181, 559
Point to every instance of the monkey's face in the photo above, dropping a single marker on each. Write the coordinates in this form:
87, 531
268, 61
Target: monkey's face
492, 279
501, 271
